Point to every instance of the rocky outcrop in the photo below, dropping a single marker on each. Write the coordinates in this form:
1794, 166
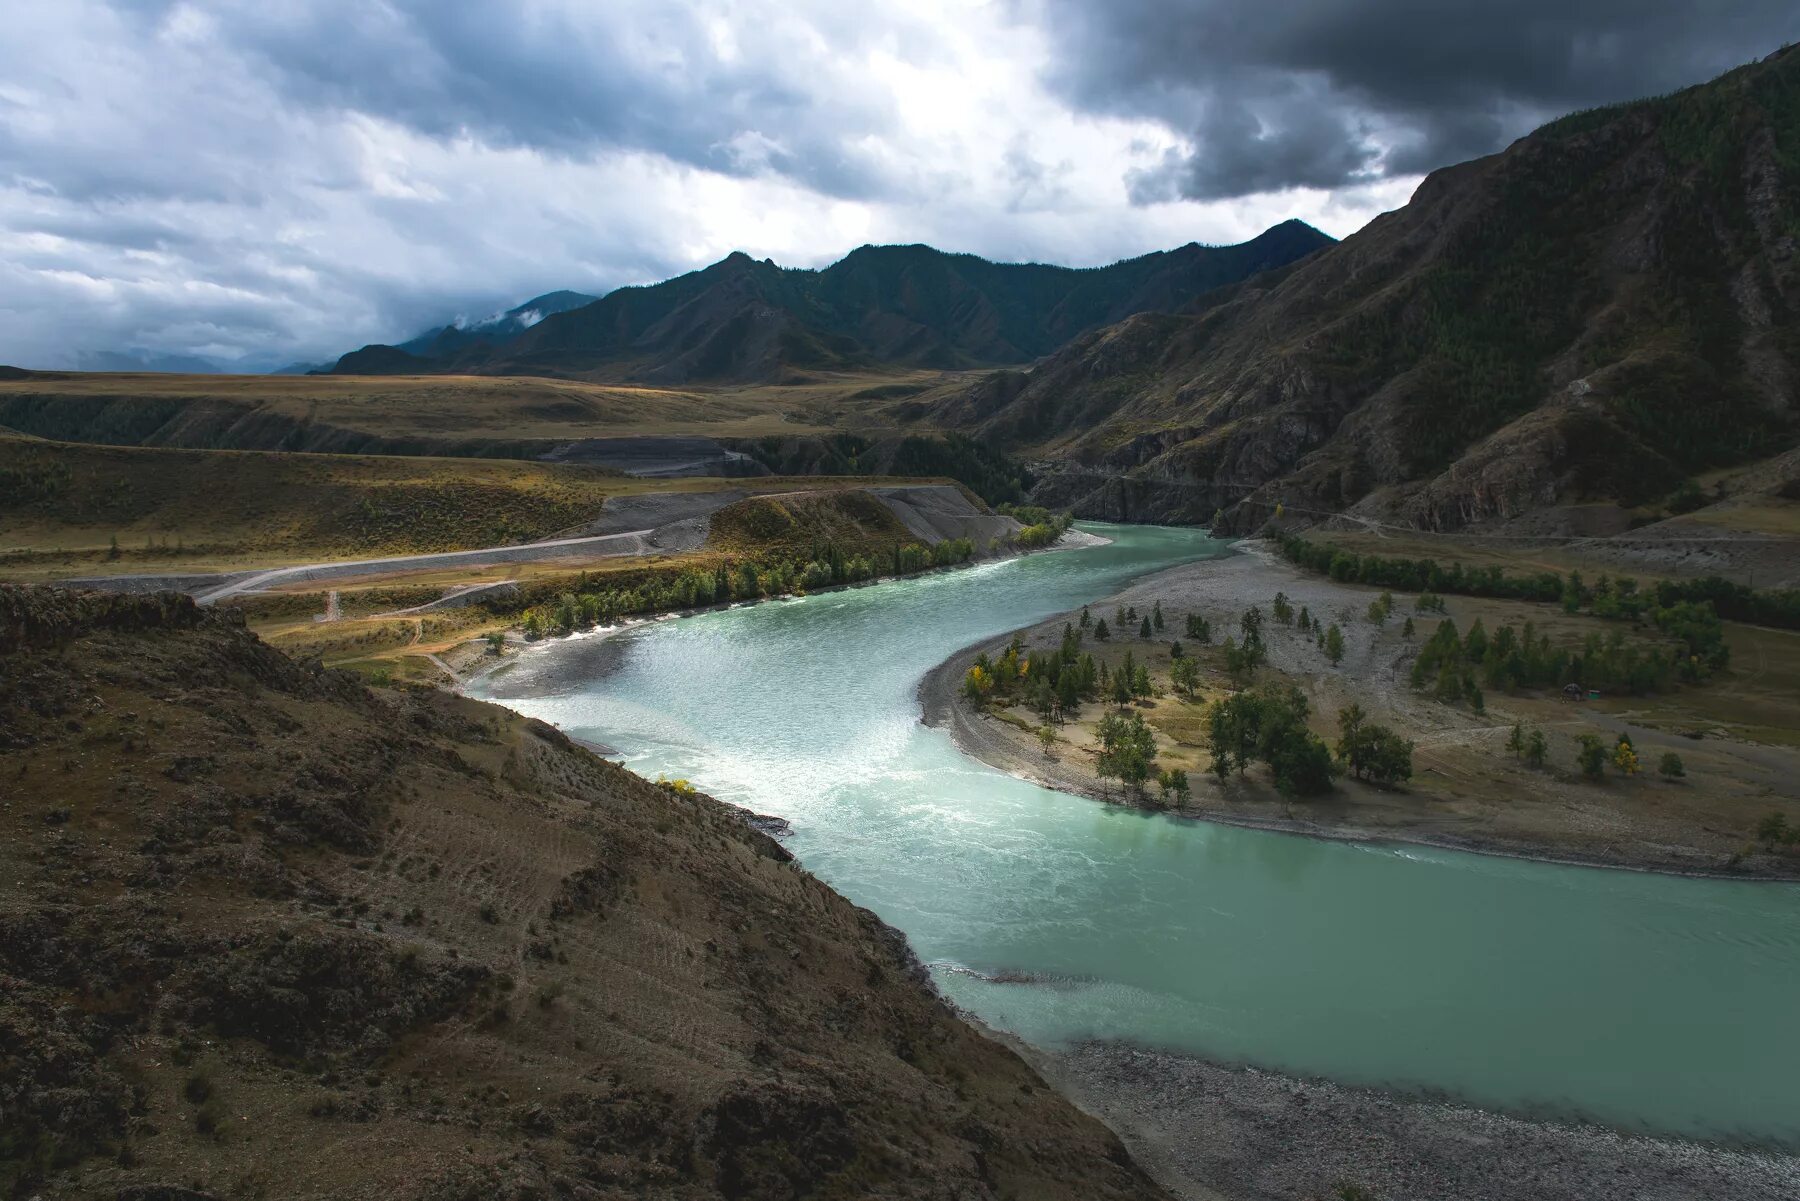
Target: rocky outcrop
1609, 305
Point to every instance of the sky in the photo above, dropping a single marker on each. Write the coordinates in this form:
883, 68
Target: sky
257, 183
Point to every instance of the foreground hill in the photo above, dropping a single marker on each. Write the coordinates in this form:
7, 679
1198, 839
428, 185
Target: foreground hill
740, 320
1608, 306
264, 931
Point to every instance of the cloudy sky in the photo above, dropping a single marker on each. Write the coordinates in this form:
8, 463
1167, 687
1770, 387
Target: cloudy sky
260, 181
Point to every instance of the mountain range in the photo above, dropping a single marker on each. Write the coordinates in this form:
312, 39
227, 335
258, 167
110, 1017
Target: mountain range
744, 320
1603, 309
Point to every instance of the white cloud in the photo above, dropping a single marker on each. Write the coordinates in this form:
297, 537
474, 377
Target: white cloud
266, 183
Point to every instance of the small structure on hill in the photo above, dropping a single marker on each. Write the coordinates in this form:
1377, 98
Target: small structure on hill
1571, 692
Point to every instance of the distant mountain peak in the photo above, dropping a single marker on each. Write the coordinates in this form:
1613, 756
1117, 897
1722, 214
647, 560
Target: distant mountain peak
905, 305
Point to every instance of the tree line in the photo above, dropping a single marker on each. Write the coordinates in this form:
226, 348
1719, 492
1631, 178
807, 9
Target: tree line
586, 604
1610, 597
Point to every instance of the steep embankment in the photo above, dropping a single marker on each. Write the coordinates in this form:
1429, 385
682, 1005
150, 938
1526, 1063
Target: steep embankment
264, 931
1610, 305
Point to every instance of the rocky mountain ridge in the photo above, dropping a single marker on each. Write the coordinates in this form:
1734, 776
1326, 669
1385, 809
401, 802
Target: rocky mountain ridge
741, 320
1605, 308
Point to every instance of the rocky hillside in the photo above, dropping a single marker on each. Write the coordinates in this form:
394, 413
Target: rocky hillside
266, 932
1603, 309
913, 306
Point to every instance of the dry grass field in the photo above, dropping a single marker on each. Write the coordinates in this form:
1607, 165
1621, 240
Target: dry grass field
64, 506
176, 409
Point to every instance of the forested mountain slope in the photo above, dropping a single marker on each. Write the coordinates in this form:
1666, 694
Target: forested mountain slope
1606, 307
742, 320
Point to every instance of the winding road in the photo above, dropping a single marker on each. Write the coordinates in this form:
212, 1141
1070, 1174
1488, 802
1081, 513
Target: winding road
630, 542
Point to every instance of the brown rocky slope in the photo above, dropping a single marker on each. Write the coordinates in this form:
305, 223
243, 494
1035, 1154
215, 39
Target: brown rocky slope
267, 932
1606, 307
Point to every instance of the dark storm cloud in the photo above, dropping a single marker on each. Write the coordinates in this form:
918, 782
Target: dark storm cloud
678, 80
261, 182
1321, 93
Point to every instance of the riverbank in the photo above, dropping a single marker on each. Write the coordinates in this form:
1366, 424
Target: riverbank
1467, 794
1354, 966
595, 665
1211, 1132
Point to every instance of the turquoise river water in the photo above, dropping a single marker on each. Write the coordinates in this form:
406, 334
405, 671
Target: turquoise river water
1645, 1002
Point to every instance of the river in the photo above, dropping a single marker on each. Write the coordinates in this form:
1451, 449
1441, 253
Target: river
1649, 1003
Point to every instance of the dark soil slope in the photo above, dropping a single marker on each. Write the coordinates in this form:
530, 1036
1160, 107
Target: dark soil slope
265, 932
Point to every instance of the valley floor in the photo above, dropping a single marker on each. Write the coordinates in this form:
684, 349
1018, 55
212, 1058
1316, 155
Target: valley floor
1467, 791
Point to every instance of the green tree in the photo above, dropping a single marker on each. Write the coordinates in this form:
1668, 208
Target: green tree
1156, 617
1406, 631
1198, 628
1537, 749
1671, 766
1127, 749
1241, 662
1046, 739
1268, 724
1591, 756
1174, 782
1087, 619
1101, 632
1515, 740
1334, 645
1773, 829
1184, 674
1371, 751
1283, 611
1144, 629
